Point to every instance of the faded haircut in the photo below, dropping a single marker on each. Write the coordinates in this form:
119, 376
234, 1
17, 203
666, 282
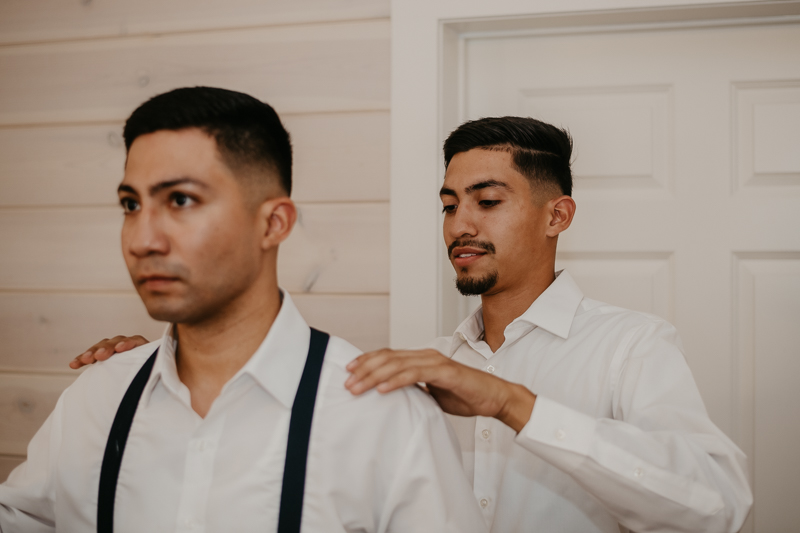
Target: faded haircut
540, 152
249, 134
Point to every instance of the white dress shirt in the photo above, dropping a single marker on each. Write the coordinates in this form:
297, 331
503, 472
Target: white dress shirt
618, 433
376, 463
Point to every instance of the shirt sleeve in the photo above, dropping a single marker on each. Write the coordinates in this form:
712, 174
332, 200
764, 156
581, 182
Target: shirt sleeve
430, 492
659, 464
27, 498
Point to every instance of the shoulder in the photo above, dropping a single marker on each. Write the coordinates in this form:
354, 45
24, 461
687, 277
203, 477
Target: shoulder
340, 352
110, 378
631, 331
86, 409
408, 404
595, 314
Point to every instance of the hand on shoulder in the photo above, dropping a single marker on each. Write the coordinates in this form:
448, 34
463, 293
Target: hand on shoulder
106, 348
458, 389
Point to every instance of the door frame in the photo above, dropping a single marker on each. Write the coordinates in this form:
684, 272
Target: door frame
428, 38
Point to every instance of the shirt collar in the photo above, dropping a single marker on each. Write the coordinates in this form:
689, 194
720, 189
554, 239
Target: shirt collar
555, 308
276, 365
552, 311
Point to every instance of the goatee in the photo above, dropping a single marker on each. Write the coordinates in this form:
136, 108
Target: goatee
474, 286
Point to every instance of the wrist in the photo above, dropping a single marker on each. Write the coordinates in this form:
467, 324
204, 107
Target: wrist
517, 407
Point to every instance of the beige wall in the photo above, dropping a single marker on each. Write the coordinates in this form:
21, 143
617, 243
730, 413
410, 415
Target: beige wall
70, 73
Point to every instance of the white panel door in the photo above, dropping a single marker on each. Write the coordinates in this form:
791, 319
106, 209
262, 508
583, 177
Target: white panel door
687, 165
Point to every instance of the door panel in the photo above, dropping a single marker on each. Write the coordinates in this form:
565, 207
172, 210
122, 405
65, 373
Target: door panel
687, 167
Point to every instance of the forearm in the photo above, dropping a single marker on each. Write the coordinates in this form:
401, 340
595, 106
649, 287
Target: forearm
517, 407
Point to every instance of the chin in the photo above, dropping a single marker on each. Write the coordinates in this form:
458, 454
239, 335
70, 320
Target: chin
163, 310
474, 285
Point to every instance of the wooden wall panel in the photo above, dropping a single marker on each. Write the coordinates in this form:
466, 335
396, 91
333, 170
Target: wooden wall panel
362, 320
333, 248
62, 248
340, 156
46, 330
320, 67
71, 72
38, 20
61, 165
337, 248
26, 400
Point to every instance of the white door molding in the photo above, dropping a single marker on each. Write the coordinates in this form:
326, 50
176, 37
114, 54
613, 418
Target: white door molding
427, 39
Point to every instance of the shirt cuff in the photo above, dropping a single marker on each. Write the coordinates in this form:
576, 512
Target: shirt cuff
558, 434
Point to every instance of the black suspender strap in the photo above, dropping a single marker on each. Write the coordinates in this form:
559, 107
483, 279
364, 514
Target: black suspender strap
294, 473
115, 447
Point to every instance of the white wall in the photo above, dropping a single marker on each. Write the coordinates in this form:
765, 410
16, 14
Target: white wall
71, 72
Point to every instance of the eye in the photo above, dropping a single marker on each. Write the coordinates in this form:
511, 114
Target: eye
129, 205
489, 203
180, 199
449, 209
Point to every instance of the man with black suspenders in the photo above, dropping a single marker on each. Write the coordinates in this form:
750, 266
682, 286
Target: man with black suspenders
237, 419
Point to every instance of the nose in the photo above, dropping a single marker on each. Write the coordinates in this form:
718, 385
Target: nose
143, 234
461, 223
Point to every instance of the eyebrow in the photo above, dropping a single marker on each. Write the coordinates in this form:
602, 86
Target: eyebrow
155, 189
444, 191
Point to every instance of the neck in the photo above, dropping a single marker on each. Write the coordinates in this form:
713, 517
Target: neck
502, 307
211, 352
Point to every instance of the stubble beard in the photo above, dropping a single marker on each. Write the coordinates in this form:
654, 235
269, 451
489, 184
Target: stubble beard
190, 304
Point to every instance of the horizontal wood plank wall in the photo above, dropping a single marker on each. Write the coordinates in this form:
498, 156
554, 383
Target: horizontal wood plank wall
71, 72
47, 20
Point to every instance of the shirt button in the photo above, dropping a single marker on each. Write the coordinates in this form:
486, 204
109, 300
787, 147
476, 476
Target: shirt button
490, 369
486, 434
484, 503
561, 434
638, 472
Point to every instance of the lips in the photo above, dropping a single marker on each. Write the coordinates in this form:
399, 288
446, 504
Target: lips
156, 282
466, 252
466, 256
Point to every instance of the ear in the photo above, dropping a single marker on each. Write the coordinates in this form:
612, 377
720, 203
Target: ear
277, 217
561, 211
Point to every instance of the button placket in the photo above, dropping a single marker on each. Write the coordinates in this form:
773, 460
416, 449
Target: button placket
198, 472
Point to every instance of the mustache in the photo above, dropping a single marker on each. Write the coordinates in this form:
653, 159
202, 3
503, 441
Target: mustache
474, 243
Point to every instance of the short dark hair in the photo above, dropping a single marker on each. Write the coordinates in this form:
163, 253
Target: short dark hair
248, 132
541, 152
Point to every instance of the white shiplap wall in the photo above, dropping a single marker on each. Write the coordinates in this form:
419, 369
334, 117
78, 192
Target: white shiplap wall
71, 72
